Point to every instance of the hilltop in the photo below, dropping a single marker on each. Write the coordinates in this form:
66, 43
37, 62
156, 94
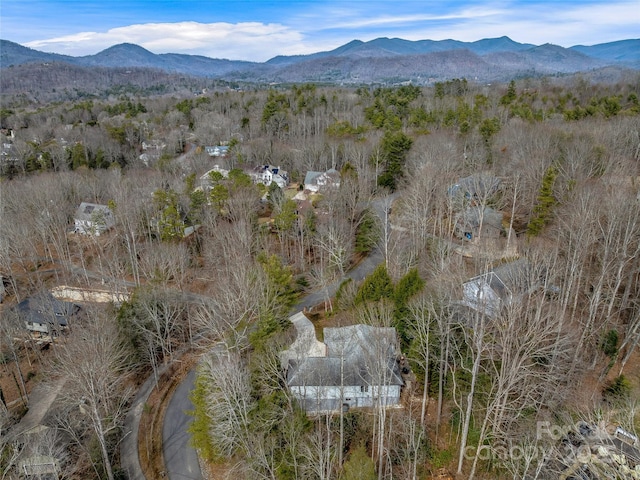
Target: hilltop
382, 60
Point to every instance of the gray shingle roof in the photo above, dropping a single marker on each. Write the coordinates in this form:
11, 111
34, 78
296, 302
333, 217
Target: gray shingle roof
310, 177
86, 211
475, 216
44, 308
478, 185
490, 291
356, 355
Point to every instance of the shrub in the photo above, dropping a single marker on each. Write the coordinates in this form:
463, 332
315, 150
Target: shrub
544, 206
359, 466
618, 388
609, 344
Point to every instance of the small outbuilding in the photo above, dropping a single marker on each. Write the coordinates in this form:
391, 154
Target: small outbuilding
93, 219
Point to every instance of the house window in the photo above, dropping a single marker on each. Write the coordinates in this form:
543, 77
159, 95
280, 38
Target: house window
364, 388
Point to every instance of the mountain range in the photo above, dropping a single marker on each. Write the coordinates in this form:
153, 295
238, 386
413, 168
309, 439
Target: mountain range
383, 60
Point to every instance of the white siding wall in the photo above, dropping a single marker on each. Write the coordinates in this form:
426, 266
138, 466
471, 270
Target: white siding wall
89, 228
353, 395
37, 327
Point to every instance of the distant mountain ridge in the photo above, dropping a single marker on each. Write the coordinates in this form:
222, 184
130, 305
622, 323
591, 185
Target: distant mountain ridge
124, 55
379, 60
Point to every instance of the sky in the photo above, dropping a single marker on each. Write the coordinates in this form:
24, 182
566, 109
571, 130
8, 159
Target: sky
258, 30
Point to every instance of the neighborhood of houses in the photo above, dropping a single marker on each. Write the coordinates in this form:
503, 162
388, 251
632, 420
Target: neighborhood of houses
47, 316
354, 366
357, 365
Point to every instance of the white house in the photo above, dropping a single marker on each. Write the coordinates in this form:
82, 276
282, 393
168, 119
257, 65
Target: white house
154, 145
355, 366
217, 150
267, 174
93, 219
317, 181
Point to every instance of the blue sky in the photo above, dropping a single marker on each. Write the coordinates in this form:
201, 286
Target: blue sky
261, 29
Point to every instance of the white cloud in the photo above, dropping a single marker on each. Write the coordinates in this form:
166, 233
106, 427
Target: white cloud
373, 14
391, 20
569, 24
327, 25
562, 23
241, 41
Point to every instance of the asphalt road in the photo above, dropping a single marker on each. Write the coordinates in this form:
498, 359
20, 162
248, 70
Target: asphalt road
180, 458
364, 268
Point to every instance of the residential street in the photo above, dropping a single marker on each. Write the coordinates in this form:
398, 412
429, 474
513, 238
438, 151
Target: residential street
181, 460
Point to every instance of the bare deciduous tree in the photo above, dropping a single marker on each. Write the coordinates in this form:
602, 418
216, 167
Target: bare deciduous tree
93, 364
334, 239
229, 401
158, 318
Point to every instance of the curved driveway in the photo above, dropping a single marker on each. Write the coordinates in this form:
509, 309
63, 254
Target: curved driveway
181, 460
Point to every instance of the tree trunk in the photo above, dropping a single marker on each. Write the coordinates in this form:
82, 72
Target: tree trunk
97, 424
474, 377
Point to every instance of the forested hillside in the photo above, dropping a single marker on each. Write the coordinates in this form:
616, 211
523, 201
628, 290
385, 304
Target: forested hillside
448, 186
383, 61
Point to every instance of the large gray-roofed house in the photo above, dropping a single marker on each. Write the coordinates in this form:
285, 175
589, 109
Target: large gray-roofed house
316, 181
359, 369
206, 179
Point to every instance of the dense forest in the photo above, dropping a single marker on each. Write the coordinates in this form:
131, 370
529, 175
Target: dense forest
213, 262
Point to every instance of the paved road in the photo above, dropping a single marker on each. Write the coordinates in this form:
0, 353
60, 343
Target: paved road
180, 458
129, 458
365, 267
